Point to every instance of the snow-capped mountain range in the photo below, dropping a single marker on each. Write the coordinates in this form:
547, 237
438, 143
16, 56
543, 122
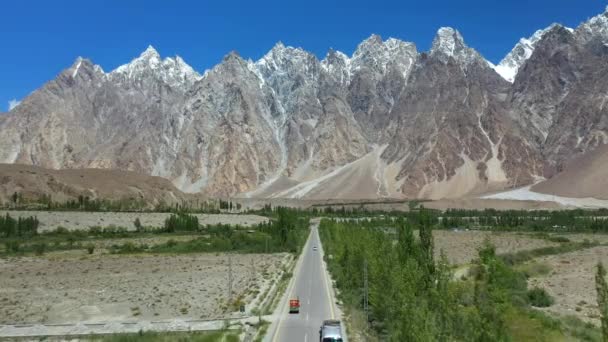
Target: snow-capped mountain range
387, 121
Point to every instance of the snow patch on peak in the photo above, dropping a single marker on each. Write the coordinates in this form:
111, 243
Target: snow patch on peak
279, 46
173, 71
284, 60
595, 27
150, 52
448, 43
338, 65
373, 39
510, 65
150, 58
280, 53
75, 69
377, 55
81, 63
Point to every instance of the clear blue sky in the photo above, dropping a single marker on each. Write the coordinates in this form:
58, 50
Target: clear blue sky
40, 38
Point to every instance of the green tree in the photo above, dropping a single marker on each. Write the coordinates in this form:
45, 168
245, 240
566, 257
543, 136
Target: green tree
602, 298
137, 224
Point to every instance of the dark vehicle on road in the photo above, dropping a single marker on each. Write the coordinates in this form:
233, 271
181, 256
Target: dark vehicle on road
331, 331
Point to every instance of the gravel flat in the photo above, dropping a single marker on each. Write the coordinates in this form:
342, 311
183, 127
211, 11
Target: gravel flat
69, 288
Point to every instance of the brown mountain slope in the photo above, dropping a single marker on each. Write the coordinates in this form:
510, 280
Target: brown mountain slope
585, 176
33, 182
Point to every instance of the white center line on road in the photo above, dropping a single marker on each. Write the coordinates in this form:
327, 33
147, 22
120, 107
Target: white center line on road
306, 337
307, 316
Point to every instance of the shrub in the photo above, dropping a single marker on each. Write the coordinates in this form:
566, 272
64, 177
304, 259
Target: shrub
539, 298
127, 248
13, 246
90, 248
560, 239
39, 248
137, 224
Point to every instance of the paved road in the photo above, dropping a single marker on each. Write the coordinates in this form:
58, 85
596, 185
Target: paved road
310, 283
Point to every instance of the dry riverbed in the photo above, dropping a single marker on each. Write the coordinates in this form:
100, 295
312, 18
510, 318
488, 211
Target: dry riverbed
68, 288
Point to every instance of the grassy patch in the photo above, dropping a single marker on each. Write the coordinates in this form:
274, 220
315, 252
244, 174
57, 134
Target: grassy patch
534, 269
262, 330
526, 326
524, 256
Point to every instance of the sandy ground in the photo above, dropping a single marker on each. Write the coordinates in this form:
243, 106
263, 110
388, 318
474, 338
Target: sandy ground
72, 220
572, 282
584, 176
582, 237
462, 247
484, 203
32, 182
69, 288
527, 194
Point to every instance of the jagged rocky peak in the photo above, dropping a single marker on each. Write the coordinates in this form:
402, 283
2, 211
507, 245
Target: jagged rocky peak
230, 61
232, 65
173, 71
335, 58
337, 65
83, 68
448, 43
594, 27
377, 55
287, 59
286, 69
150, 58
510, 65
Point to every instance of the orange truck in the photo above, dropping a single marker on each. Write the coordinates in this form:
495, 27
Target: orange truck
294, 305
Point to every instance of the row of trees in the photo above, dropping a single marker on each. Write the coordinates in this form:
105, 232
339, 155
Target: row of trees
411, 295
178, 222
20, 227
285, 232
564, 220
572, 213
229, 205
127, 204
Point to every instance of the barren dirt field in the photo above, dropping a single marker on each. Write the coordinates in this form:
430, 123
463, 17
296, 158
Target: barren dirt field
68, 287
462, 246
72, 220
581, 237
571, 282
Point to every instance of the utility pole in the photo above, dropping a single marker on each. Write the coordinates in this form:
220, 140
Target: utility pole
252, 271
230, 279
365, 292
